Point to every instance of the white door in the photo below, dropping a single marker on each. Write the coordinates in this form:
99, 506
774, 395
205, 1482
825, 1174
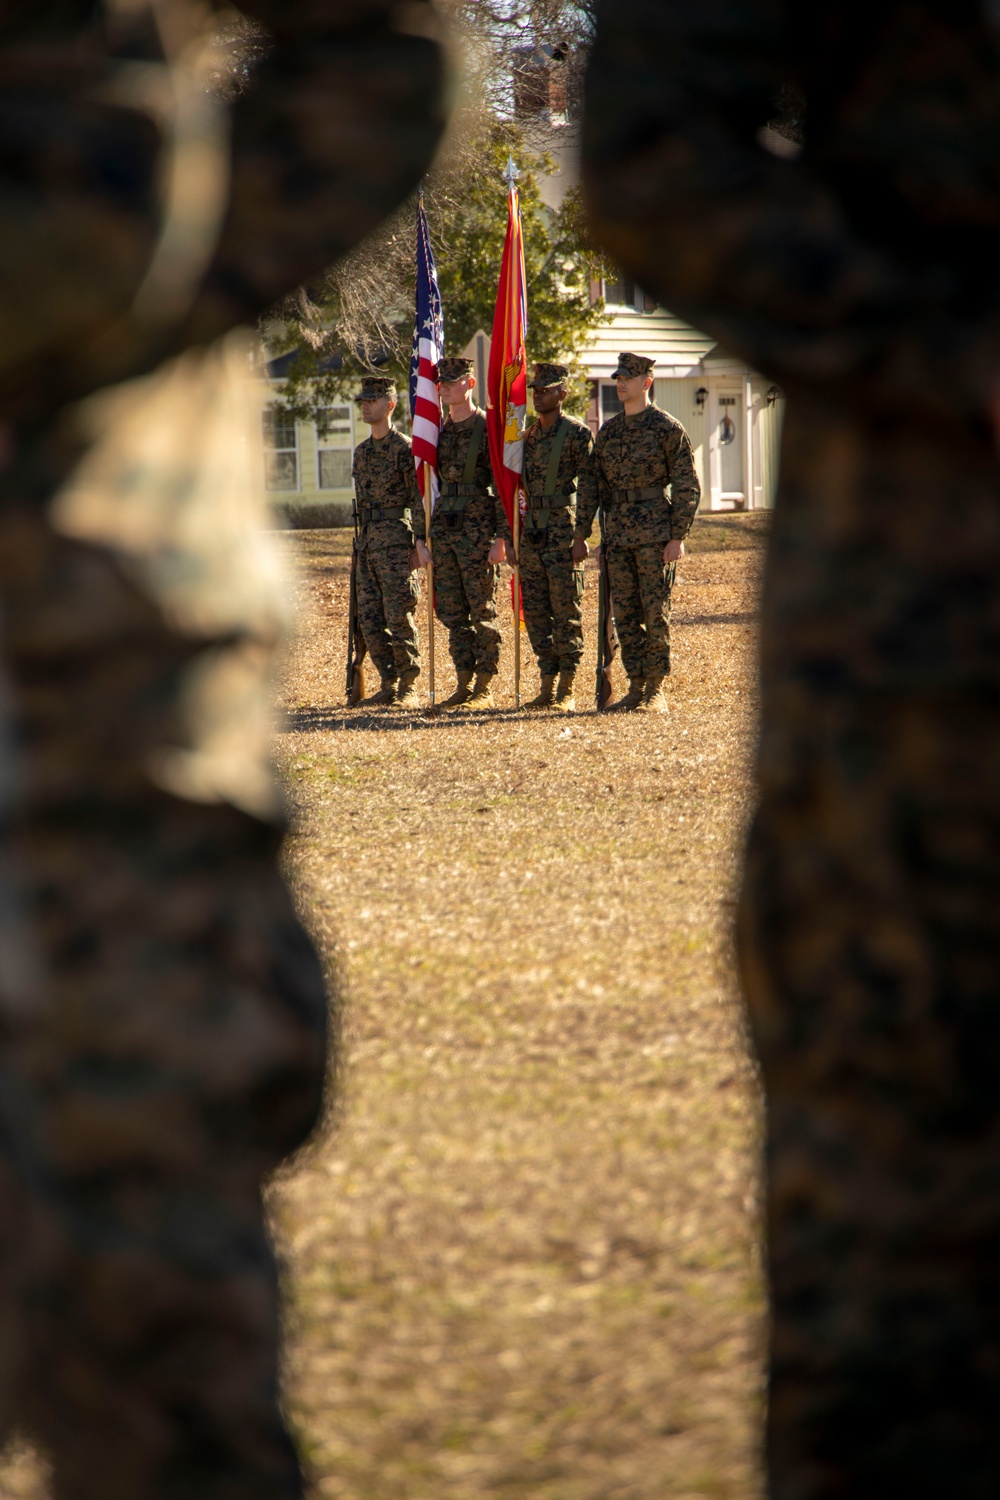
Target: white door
727, 448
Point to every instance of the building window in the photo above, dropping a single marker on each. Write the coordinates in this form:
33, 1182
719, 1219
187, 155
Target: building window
610, 404
333, 447
621, 291
281, 454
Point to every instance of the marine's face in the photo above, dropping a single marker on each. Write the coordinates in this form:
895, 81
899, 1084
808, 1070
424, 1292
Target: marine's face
631, 387
376, 409
454, 392
546, 398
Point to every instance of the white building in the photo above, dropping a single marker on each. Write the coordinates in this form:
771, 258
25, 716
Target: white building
731, 413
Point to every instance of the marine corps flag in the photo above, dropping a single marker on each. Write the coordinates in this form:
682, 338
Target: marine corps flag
507, 395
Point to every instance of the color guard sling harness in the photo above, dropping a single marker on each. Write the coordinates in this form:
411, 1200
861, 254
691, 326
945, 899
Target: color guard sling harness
455, 497
537, 517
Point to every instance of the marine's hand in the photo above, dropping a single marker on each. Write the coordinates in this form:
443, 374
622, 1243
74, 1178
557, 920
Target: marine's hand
420, 557
498, 553
673, 552
580, 549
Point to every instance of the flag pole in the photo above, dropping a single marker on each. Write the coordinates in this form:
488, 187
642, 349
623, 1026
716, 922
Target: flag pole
516, 531
425, 404
511, 175
430, 579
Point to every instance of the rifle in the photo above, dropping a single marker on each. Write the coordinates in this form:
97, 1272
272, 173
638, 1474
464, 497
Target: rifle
607, 636
356, 647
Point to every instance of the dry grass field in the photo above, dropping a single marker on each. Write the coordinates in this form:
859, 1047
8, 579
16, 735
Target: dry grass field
522, 1259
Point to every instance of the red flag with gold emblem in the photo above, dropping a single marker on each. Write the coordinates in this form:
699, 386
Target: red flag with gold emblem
507, 394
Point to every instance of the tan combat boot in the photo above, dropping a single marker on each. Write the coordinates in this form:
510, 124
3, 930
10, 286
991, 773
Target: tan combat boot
406, 694
654, 699
565, 699
481, 695
632, 699
546, 693
385, 695
462, 693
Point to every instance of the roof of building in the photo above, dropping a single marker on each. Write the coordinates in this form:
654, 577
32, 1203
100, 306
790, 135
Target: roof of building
677, 347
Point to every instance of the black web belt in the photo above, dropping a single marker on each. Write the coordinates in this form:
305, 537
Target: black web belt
366, 511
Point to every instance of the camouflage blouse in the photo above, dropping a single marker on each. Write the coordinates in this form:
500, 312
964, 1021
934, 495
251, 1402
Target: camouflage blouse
648, 450
384, 476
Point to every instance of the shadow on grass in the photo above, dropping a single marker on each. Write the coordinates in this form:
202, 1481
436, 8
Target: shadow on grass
745, 618
333, 720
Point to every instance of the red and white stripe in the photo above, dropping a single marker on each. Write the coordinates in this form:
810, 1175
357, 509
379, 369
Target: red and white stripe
427, 412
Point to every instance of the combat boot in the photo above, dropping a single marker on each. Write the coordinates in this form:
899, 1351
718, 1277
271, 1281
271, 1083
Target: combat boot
654, 699
406, 694
462, 693
481, 695
385, 695
545, 696
565, 699
632, 699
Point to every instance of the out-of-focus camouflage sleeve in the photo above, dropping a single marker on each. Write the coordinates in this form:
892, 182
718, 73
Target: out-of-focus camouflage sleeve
764, 252
685, 488
310, 178
586, 482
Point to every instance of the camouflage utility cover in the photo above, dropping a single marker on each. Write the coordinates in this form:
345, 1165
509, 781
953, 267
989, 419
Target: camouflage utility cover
455, 367
375, 388
548, 375
631, 365
648, 450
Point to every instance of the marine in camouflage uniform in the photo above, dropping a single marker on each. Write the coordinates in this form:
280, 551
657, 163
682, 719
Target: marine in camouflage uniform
388, 506
559, 475
638, 458
468, 518
862, 274
162, 1013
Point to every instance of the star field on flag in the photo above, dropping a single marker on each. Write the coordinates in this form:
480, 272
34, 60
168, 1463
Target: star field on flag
428, 347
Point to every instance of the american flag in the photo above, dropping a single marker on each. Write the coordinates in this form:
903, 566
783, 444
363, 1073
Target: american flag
428, 347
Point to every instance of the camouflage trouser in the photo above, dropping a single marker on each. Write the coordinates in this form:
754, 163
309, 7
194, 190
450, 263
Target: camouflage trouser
640, 596
465, 587
552, 589
387, 602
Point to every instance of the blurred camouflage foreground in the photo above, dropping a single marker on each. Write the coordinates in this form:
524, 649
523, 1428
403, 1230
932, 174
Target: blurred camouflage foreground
862, 273
162, 1015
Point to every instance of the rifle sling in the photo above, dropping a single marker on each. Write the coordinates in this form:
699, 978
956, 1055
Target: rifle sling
552, 477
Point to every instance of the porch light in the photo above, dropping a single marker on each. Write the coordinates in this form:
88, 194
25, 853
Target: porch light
701, 396
773, 395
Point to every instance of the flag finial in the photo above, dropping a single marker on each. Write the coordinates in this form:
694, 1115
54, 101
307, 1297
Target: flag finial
512, 174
